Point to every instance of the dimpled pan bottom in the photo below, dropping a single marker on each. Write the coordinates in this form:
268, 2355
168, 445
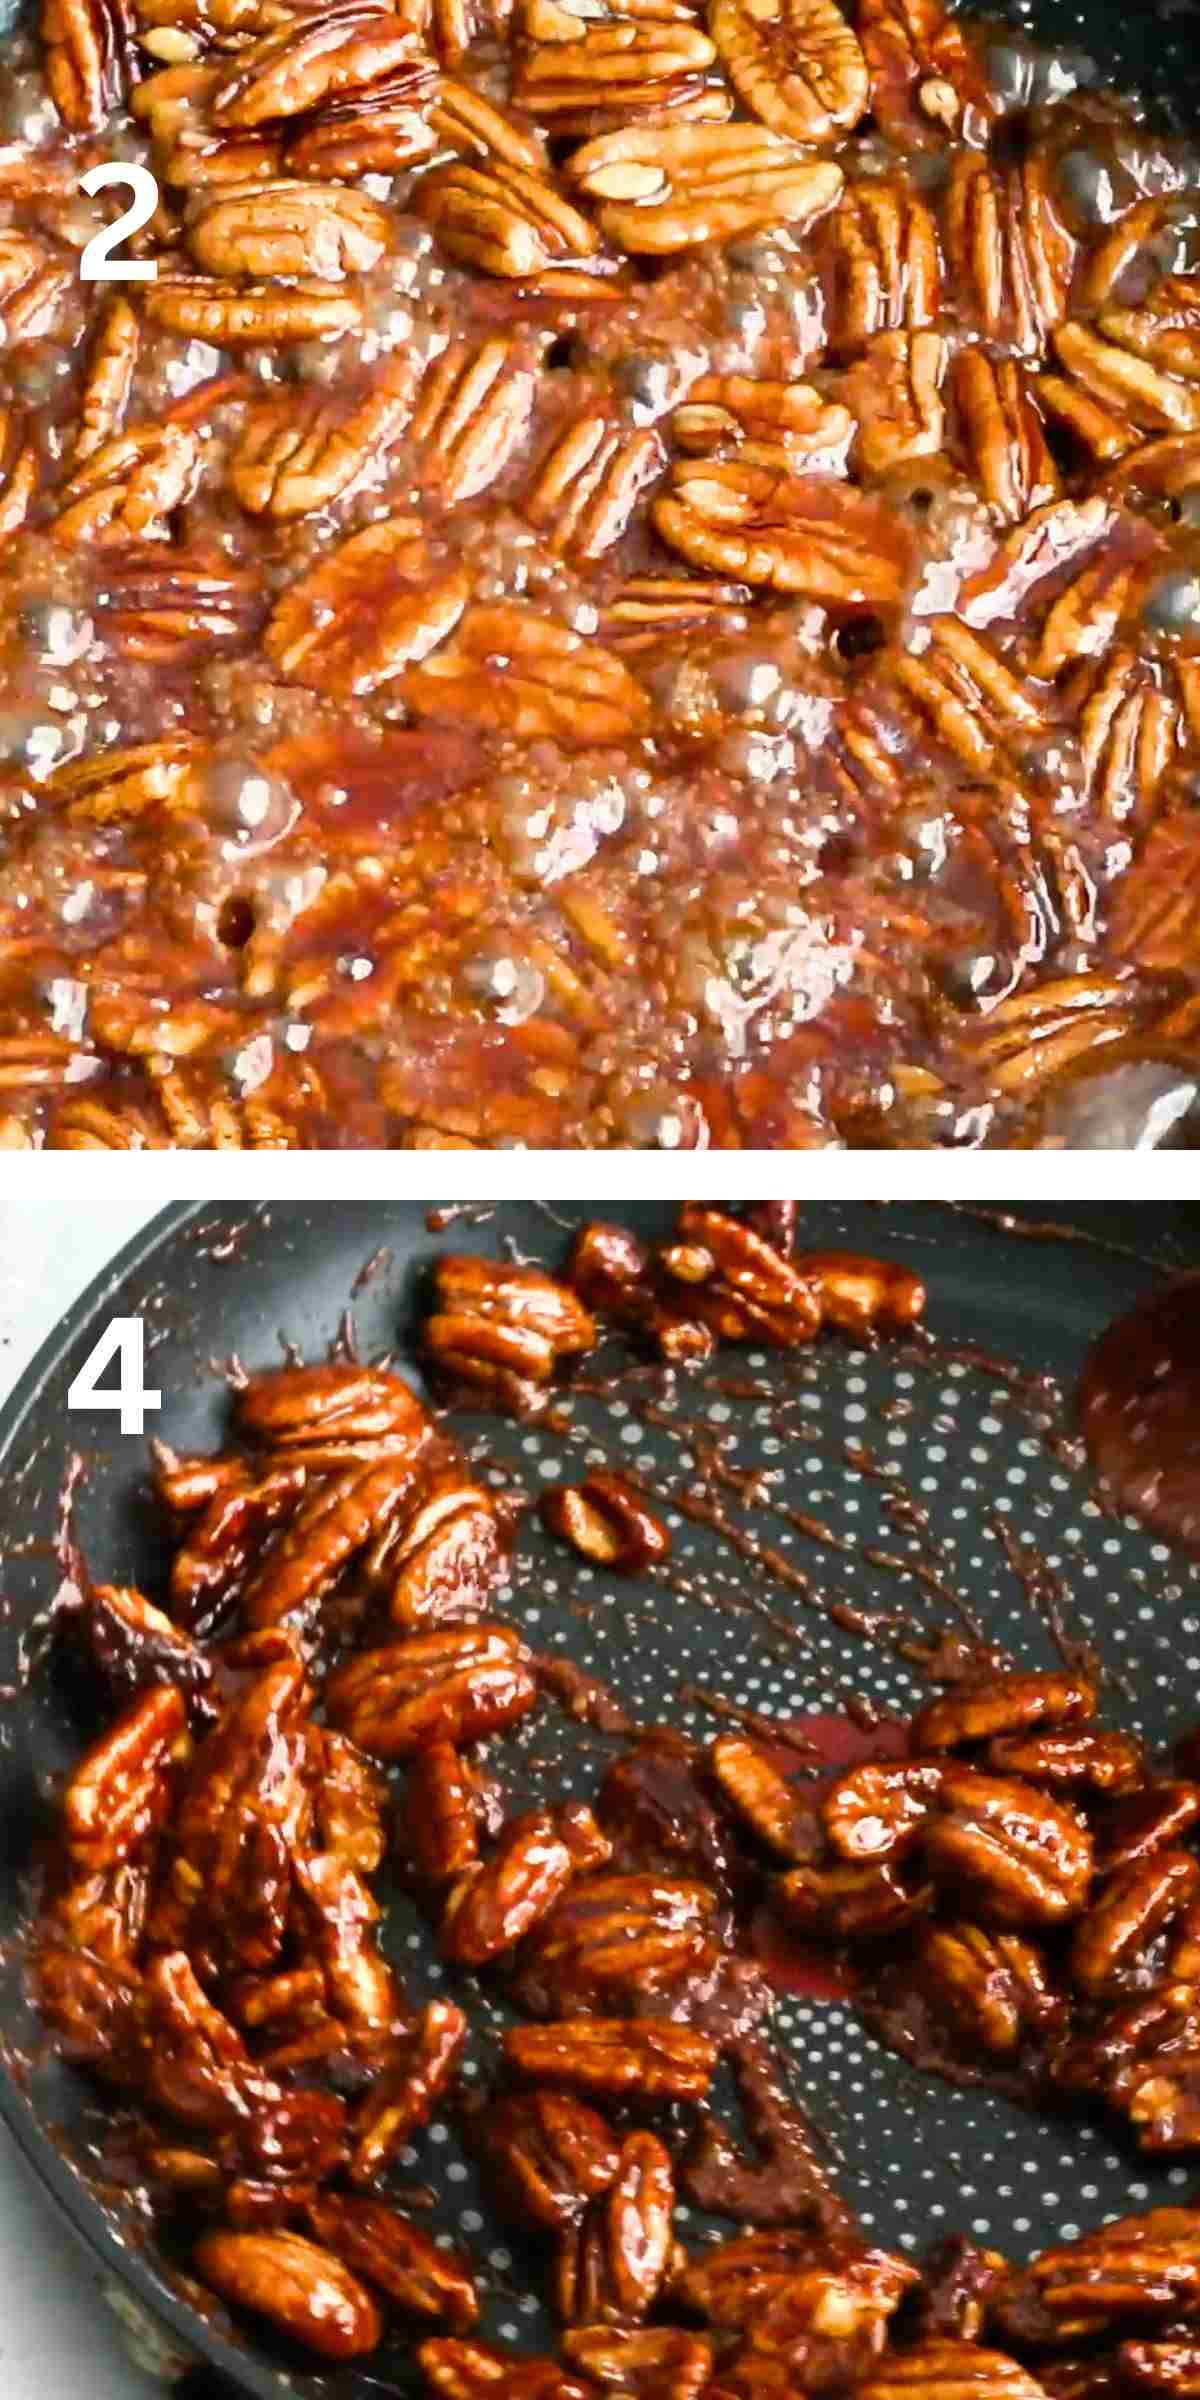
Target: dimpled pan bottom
974, 1446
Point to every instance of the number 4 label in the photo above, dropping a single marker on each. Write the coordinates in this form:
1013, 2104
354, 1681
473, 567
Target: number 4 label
123, 1339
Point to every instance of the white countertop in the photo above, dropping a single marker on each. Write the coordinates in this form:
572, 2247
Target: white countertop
56, 2334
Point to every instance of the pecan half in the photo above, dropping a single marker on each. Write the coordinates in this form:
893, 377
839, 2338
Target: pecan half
585, 491
493, 1907
453, 1685
1132, 1909
1008, 247
243, 1805
506, 221
649, 2362
89, 47
449, 1558
796, 64
1002, 1704
729, 2284
130, 486
762, 1798
121, 1791
509, 668
440, 1815
472, 414
1112, 1763
203, 308
884, 273
622, 2058
316, 1413
607, 1521
480, 2371
1146, 2267
366, 612
303, 2290
895, 390
334, 1522
1024, 1858
297, 454
401, 2261
403, 2098
548, 2154
849, 1903
580, 74
295, 66
793, 533
876, 1811
280, 228
611, 2269
664, 188
616, 1935
993, 1987
1006, 447
211, 1565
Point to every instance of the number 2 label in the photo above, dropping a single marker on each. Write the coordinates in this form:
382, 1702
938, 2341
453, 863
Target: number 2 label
98, 264
123, 1339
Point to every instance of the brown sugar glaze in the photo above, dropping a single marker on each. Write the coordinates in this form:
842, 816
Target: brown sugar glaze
615, 590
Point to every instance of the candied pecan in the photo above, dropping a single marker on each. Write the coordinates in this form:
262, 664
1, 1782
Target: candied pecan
884, 271
32, 286
663, 188
860, 1294
297, 1408
877, 1810
135, 1645
957, 2285
1147, 1821
615, 1935
1111, 1763
367, 611
1009, 249
277, 227
952, 2371
1006, 1703
548, 2155
965, 694
121, 1790
403, 2098
308, 59
400, 2260
128, 488
926, 73
1041, 1032
453, 1685
649, 2362
794, 63
577, 73
585, 490
303, 2290
792, 533
379, 129
721, 410
155, 776
762, 1799
1130, 729
243, 1805
203, 308
364, 1992
472, 414
197, 2066
649, 606
503, 1328
512, 669
104, 1913
828, 2321
992, 1986
895, 390
1160, 2367
612, 2267
1147, 2267
612, 1271
349, 1799
730, 2284
625, 2058
89, 50
1132, 1909
480, 2371
1006, 447
607, 1521
440, 1814
212, 1562
333, 1522
506, 221
491, 1908
851, 1903
164, 606
298, 453
745, 1285
96, 2007
450, 1556
1025, 1858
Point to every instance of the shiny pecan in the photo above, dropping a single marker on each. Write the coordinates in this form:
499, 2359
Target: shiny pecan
479, 2371
308, 59
211, 1564
796, 64
1118, 384
761, 1798
502, 1329
243, 1806
440, 1814
298, 453
878, 1810
729, 2284
511, 669
135, 1645
586, 489
863, 1294
96, 2008
349, 1799
547, 2155
1130, 730
340, 1916
449, 1558
884, 271
739, 1282
647, 607
832, 2313
361, 617
203, 308
491, 1908
472, 414
1154, 920
399, 2101
927, 73
1024, 1858
414, 2272
952, 2371
333, 1523
32, 288
607, 1521
1008, 1703
1147, 2267
281, 228
895, 391
378, 129
453, 1685
1111, 1763
622, 2058
120, 1792
155, 776
104, 1913
649, 2362
612, 2267
89, 53
581, 73
792, 533
851, 1903
1041, 1032
301, 2289
317, 1413
1005, 444
1009, 249
615, 1275
504, 220
1132, 1909
665, 188
468, 123
618, 1935
965, 695
166, 606
992, 1987
197, 2066
723, 411
130, 487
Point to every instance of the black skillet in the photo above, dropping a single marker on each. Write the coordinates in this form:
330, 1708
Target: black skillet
914, 2156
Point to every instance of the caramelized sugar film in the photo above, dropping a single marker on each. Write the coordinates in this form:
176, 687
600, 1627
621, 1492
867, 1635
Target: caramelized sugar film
633, 579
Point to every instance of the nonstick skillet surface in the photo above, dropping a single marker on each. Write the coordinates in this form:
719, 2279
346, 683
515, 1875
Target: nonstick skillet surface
915, 2157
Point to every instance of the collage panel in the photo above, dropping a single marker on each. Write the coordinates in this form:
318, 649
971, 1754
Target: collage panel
599, 1801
